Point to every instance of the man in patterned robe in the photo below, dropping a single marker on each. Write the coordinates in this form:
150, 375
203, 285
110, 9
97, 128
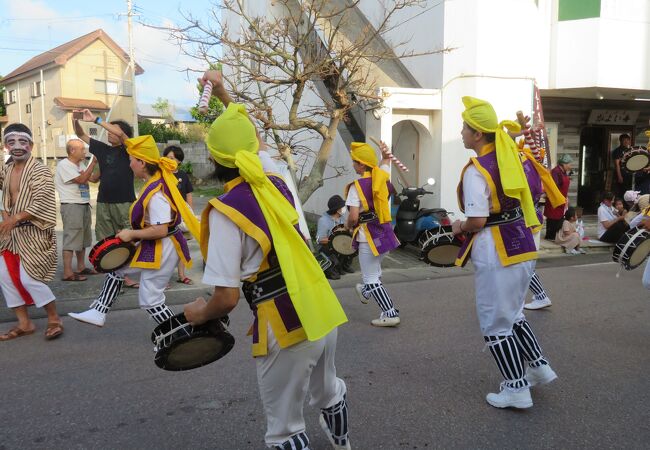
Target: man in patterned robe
27, 238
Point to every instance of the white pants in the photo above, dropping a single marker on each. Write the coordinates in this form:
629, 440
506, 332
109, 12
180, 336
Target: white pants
154, 281
500, 290
646, 275
286, 375
40, 292
370, 264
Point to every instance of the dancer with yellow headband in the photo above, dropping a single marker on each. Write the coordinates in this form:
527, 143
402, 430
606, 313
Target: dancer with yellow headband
496, 194
250, 234
155, 217
368, 201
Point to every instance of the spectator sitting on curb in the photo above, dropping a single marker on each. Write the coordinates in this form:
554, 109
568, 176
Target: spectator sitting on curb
619, 207
610, 226
639, 203
568, 236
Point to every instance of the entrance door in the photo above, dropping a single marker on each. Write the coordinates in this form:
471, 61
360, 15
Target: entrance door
406, 148
594, 160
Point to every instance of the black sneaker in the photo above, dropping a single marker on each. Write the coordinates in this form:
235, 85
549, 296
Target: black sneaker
332, 274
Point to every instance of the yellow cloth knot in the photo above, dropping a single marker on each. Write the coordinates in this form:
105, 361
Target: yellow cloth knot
167, 164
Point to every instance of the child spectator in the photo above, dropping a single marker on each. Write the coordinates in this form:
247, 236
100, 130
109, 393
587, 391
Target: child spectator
568, 236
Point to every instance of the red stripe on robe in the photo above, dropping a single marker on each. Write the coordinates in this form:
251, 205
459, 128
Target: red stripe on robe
13, 266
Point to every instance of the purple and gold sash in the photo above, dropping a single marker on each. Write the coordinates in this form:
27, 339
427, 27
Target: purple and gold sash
148, 254
514, 240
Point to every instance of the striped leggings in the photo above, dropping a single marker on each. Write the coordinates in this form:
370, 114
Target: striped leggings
536, 288
513, 351
111, 290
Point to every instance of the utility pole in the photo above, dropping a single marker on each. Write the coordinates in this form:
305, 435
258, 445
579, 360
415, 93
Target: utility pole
129, 5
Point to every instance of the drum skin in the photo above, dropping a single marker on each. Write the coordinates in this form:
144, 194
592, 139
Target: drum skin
632, 248
340, 241
189, 347
636, 159
110, 254
440, 247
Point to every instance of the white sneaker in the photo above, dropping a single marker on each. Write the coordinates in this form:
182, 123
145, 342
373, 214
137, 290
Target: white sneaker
358, 288
92, 316
538, 303
326, 430
510, 398
573, 251
582, 251
540, 375
385, 321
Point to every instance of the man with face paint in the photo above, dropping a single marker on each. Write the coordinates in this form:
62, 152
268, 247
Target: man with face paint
27, 238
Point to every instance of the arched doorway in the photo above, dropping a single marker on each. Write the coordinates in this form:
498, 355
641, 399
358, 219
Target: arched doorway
412, 144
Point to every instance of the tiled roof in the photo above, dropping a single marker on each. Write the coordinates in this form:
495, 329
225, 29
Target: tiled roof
80, 103
61, 54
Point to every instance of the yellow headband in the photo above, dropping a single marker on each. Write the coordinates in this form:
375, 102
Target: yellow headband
231, 133
363, 153
144, 148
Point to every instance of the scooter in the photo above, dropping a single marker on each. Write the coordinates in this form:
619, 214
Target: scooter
416, 226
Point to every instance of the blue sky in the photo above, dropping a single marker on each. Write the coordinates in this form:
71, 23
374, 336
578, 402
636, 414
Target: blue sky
30, 27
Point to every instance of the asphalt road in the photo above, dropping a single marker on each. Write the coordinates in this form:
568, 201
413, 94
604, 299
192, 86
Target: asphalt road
418, 386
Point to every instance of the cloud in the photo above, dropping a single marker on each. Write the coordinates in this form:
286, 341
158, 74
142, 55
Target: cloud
48, 28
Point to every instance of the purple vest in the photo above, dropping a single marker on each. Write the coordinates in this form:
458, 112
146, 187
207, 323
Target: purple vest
242, 199
381, 234
518, 242
147, 247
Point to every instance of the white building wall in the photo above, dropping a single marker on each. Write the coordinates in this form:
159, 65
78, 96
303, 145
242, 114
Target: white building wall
608, 51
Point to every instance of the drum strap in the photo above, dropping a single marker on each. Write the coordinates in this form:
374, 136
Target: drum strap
504, 217
268, 285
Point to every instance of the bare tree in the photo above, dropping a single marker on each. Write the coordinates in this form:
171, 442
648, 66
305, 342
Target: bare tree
303, 70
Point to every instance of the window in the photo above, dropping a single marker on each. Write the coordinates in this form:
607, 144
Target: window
11, 96
113, 87
28, 108
578, 9
36, 89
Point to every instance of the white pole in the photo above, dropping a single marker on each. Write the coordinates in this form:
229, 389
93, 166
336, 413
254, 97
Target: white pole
129, 5
43, 144
20, 109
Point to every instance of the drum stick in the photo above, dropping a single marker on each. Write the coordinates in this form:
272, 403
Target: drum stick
397, 162
528, 137
400, 172
204, 102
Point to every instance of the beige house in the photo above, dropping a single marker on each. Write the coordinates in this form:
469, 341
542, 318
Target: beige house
88, 72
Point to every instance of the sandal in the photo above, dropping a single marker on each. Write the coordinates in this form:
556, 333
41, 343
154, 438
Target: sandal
14, 333
54, 330
87, 271
74, 277
185, 280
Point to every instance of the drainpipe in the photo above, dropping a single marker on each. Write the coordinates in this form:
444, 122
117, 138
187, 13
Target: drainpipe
43, 144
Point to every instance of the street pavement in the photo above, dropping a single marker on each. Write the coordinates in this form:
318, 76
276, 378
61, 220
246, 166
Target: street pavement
418, 386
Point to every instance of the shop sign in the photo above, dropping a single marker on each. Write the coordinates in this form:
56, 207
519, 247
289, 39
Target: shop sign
612, 117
